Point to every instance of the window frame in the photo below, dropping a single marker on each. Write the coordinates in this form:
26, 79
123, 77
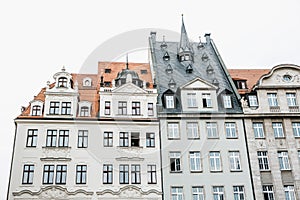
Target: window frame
195, 161
278, 129
82, 141
227, 101
192, 130
124, 174
108, 139
272, 99
239, 192
81, 174
177, 193
263, 161
107, 105
150, 109
136, 108
175, 161
48, 174
36, 110
61, 174
63, 138
261, 132
66, 108
215, 161
51, 139
284, 162
173, 130
135, 174
170, 101
191, 100
235, 161
54, 107
28, 174
296, 129
206, 100
124, 139
268, 190
122, 108
253, 101
151, 172
84, 111
291, 99
212, 130
231, 130
218, 192
198, 193
107, 173
32, 136
150, 139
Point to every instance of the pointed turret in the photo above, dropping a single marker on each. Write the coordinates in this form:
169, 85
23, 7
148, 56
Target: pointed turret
185, 51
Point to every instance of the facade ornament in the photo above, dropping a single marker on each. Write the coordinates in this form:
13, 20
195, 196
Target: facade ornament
244, 102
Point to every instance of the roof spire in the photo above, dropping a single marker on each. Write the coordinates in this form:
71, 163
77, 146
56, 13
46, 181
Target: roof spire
184, 40
127, 61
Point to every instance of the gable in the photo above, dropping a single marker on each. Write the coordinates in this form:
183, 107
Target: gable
129, 88
199, 84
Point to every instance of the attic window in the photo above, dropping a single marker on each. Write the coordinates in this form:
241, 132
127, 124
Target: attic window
287, 78
166, 56
241, 84
189, 69
209, 69
107, 71
204, 57
144, 71
169, 69
107, 83
172, 83
36, 110
87, 82
227, 101
170, 101
62, 82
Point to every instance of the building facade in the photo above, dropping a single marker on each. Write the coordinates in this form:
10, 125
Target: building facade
201, 126
271, 116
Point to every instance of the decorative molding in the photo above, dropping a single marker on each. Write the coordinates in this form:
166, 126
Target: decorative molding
129, 191
129, 159
53, 192
55, 159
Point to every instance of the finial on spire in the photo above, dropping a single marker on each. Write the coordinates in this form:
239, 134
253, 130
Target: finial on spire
127, 61
63, 69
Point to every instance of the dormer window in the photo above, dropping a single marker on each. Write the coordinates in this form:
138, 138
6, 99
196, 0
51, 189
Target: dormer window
189, 69
169, 69
62, 82
241, 84
36, 110
84, 111
87, 82
170, 101
227, 101
107, 83
204, 57
166, 56
144, 71
107, 71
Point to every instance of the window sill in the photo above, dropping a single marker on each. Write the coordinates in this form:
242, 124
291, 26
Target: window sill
236, 170
194, 138
175, 172
173, 138
230, 138
279, 138
285, 170
213, 138
217, 171
196, 171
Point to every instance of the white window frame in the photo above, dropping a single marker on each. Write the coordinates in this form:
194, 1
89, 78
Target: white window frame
278, 129
289, 192
296, 129
207, 98
263, 161
192, 130
215, 162
227, 101
173, 130
198, 193
284, 163
291, 99
230, 128
239, 192
258, 129
218, 193
82, 138
268, 190
252, 100
212, 130
272, 99
177, 193
192, 100
195, 161
170, 101
176, 157
235, 161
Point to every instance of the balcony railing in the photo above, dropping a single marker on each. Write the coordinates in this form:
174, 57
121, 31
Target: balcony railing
274, 109
294, 108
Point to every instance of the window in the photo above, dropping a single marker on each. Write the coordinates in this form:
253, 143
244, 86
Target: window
177, 193
122, 108
151, 170
31, 138
227, 101
36, 110
173, 130
150, 109
238, 193
296, 128
195, 161
82, 139
291, 99
284, 163
263, 160
218, 192
54, 108
258, 130
61, 174
107, 83
51, 138
135, 139
211, 129
107, 108
136, 108
191, 100
289, 192
62, 82
124, 174
206, 100
66, 108
235, 161
215, 161
175, 161
48, 174
107, 174
107, 71
170, 101
198, 193
252, 100
230, 130
192, 130
108, 139
144, 71
241, 84
268, 192
278, 130
150, 140
63, 138
81, 171
272, 99
84, 111
135, 174
123, 142
28, 171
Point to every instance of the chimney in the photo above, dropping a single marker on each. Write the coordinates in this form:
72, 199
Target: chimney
207, 37
153, 36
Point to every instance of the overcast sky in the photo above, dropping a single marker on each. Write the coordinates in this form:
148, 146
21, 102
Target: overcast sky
38, 37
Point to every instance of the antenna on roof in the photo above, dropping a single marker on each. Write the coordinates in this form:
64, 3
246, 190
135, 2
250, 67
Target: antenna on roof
127, 61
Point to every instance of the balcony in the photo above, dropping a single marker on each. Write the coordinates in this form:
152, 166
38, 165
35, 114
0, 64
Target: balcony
274, 109
293, 108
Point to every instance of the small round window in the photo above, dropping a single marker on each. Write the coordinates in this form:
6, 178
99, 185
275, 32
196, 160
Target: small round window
287, 78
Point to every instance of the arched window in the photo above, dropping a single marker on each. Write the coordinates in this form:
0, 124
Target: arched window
62, 82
